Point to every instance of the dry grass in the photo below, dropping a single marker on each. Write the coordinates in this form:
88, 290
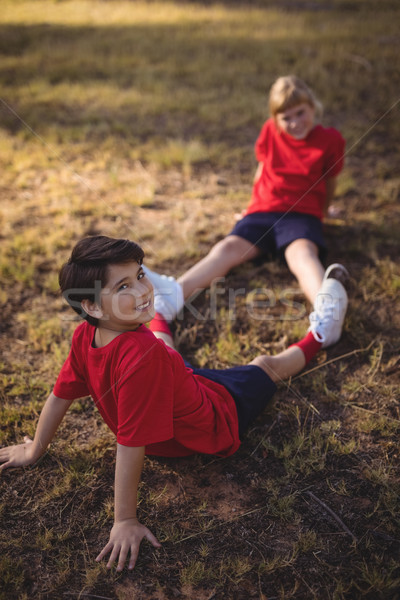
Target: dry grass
138, 119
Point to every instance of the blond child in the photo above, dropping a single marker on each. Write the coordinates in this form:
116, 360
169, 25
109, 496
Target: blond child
298, 163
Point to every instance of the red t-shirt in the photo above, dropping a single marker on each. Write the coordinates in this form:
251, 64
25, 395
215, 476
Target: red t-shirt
294, 171
147, 396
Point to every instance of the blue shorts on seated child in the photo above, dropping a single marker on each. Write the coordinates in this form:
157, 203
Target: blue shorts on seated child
272, 232
249, 386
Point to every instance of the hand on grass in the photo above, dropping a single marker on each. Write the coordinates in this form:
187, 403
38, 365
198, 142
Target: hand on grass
334, 212
126, 537
239, 216
17, 456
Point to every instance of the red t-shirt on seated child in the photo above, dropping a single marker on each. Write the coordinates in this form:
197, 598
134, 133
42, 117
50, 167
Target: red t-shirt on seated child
294, 171
147, 396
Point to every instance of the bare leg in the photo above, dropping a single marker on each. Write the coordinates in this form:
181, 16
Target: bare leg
303, 261
226, 254
289, 362
282, 366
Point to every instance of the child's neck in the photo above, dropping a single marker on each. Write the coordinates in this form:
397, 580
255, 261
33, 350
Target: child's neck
104, 336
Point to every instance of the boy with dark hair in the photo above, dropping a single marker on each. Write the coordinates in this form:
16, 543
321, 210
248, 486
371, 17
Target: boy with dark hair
152, 400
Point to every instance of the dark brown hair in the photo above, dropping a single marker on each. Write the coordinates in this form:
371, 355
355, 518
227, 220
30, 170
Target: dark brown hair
86, 272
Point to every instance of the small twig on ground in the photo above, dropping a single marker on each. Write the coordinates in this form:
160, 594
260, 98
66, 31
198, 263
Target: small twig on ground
333, 514
383, 536
371, 412
328, 362
374, 370
264, 437
86, 595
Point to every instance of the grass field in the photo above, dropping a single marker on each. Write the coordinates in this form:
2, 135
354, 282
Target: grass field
138, 119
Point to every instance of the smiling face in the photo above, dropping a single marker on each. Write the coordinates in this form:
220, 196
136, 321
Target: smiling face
296, 121
127, 300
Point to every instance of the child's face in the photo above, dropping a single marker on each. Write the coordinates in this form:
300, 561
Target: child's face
296, 121
127, 300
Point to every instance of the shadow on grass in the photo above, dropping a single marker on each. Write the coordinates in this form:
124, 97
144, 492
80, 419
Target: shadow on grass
127, 81
292, 5
362, 242
180, 81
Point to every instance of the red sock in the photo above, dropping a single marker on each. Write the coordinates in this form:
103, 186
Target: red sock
309, 345
158, 323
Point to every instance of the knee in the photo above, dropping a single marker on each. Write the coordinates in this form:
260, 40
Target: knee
299, 253
268, 365
228, 248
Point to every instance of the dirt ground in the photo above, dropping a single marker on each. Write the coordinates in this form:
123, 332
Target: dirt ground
307, 508
128, 129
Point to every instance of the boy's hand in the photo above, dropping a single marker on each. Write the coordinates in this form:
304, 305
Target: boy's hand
239, 216
17, 456
125, 537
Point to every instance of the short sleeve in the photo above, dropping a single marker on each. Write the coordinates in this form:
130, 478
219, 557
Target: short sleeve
261, 146
335, 154
71, 383
145, 403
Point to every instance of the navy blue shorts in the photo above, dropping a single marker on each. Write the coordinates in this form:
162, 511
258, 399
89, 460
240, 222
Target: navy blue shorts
272, 232
249, 386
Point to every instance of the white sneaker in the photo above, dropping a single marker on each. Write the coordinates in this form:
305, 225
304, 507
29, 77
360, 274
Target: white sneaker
168, 294
337, 271
326, 321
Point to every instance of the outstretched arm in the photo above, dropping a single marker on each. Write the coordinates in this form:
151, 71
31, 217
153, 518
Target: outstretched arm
258, 172
28, 453
330, 193
127, 532
257, 175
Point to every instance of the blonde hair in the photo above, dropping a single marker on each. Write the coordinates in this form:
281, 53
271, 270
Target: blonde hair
289, 91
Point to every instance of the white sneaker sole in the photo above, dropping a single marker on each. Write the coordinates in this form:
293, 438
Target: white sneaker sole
336, 266
168, 294
332, 302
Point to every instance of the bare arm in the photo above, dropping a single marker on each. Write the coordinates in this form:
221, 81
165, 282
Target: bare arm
28, 453
257, 175
330, 193
127, 532
258, 172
